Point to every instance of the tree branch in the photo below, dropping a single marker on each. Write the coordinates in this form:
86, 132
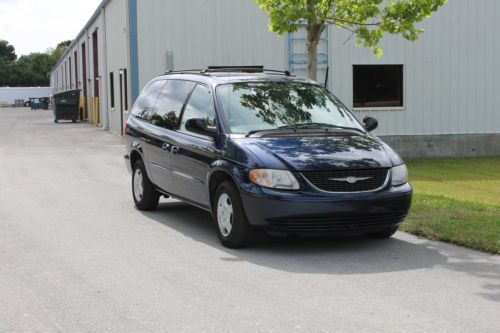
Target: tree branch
334, 19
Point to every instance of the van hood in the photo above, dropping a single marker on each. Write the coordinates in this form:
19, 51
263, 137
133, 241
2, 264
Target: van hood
320, 153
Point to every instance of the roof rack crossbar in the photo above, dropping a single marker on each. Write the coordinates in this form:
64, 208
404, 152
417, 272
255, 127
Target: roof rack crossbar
247, 69
232, 69
180, 71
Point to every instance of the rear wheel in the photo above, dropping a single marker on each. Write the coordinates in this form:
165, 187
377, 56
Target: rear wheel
143, 191
232, 225
386, 233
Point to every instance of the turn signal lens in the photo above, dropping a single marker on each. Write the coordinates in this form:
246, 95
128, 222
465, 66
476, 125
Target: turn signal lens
280, 179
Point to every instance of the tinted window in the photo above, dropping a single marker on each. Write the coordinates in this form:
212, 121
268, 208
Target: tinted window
200, 105
377, 86
250, 106
170, 102
143, 107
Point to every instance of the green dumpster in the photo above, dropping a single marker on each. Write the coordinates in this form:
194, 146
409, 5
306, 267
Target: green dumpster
66, 105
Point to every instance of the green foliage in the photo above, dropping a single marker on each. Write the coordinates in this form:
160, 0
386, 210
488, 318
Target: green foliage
56, 54
368, 20
7, 52
29, 70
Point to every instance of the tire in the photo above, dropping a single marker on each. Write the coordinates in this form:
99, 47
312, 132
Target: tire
386, 233
74, 120
56, 121
27, 104
230, 218
143, 191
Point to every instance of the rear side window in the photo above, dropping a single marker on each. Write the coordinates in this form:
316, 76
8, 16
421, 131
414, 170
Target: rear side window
200, 105
169, 105
143, 107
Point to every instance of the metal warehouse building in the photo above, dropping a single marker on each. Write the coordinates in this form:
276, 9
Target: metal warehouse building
438, 96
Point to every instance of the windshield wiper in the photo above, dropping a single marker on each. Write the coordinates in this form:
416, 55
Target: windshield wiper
261, 130
319, 126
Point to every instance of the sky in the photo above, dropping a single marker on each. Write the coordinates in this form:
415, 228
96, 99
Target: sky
36, 25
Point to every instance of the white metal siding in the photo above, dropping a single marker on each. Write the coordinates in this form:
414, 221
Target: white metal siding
450, 73
116, 57
205, 32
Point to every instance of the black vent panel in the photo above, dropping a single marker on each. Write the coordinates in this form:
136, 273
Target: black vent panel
336, 223
347, 180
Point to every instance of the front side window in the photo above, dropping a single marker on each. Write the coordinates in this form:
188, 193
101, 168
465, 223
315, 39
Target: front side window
257, 106
143, 107
376, 86
170, 102
200, 105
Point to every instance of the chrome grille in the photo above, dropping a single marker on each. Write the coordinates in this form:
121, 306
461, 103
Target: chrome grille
347, 180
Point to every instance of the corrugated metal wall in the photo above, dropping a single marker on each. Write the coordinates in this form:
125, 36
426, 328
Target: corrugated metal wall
205, 32
451, 73
116, 59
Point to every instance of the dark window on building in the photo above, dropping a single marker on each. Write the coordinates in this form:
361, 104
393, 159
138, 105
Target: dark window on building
200, 105
125, 88
111, 90
70, 76
76, 70
143, 107
377, 86
170, 102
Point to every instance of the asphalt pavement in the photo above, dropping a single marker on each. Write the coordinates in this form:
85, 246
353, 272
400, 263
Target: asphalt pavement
76, 256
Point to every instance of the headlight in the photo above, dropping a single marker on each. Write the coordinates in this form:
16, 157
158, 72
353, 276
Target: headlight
399, 175
280, 179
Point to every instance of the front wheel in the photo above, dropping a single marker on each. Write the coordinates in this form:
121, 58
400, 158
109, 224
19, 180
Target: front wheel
145, 195
232, 225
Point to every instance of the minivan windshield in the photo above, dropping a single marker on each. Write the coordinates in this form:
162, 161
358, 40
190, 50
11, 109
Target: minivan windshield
257, 106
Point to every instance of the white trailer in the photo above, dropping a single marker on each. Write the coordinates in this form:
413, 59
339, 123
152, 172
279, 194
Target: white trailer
9, 95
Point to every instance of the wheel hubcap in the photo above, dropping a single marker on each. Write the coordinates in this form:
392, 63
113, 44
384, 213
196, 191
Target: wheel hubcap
225, 214
138, 185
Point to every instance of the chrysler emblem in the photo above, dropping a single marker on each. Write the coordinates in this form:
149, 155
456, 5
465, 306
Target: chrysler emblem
350, 180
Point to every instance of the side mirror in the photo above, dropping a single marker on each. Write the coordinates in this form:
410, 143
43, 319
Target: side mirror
370, 123
198, 126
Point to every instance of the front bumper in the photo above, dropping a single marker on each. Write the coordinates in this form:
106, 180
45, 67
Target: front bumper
356, 213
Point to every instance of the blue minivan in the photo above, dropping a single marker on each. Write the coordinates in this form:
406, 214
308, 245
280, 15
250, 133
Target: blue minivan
263, 149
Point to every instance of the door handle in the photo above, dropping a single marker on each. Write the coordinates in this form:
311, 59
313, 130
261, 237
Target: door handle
166, 147
175, 150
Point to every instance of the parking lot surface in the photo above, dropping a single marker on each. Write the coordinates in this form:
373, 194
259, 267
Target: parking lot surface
76, 256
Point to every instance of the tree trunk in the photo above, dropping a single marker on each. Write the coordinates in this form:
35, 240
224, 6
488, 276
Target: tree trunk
314, 32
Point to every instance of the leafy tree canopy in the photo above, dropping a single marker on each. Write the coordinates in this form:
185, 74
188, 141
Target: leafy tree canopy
7, 52
368, 20
29, 70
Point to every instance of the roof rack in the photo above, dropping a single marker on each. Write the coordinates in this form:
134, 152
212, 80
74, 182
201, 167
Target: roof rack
244, 69
186, 71
233, 69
